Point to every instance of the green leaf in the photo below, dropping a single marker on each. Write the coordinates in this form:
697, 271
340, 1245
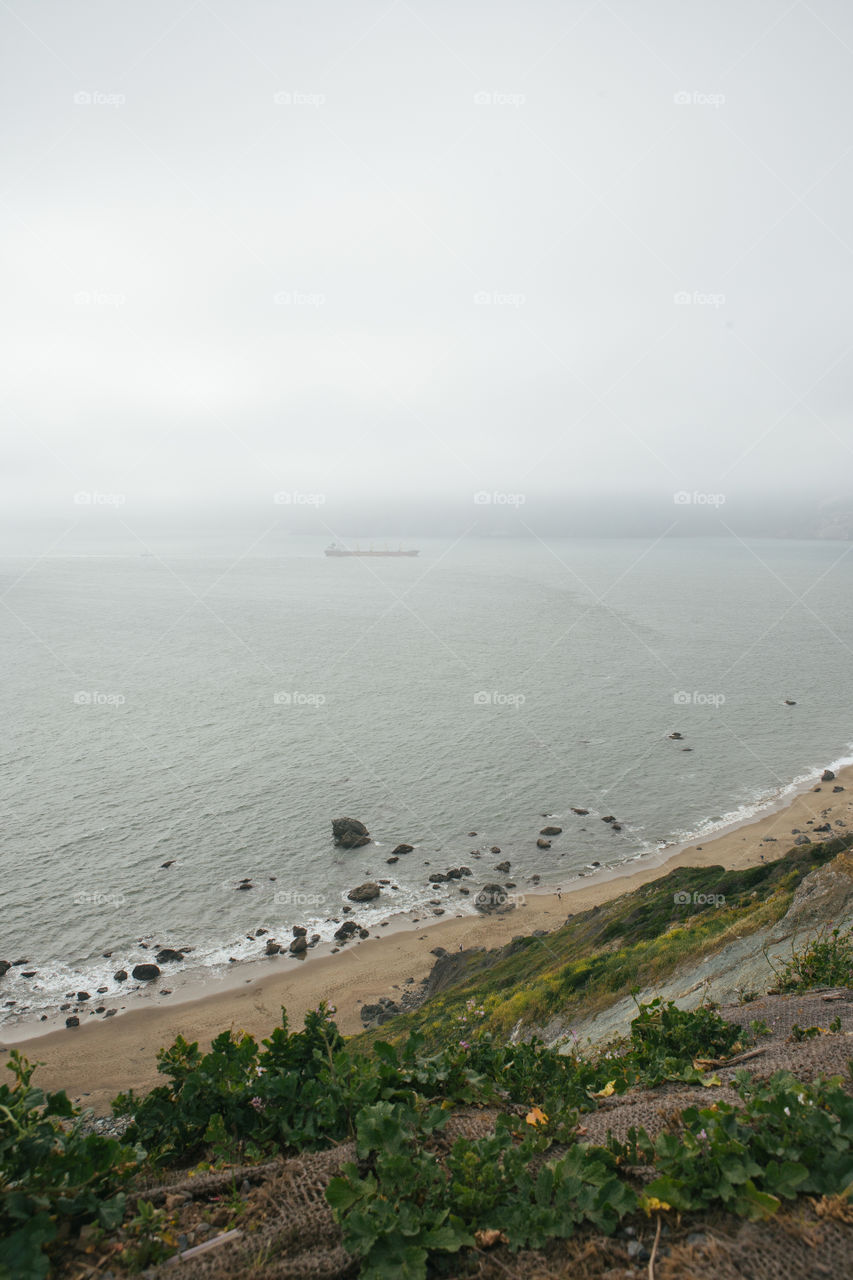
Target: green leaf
392, 1260
450, 1236
785, 1179
111, 1212
341, 1194
755, 1204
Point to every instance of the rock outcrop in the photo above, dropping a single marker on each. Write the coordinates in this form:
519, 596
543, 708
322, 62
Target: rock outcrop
493, 899
349, 833
364, 892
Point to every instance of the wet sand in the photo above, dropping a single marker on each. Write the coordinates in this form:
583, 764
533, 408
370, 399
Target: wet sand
101, 1058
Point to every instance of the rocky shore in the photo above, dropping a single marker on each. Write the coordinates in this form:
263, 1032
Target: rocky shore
386, 960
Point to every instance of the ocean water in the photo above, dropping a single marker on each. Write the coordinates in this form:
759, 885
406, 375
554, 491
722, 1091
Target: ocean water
219, 709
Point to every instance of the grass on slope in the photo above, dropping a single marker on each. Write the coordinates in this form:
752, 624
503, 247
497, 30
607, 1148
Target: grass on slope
604, 953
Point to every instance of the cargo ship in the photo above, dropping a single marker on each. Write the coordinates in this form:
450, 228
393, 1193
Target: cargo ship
334, 550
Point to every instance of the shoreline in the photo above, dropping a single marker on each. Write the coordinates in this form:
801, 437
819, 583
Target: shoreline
101, 1058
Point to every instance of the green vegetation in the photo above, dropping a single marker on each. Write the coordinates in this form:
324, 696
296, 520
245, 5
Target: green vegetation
415, 1196
410, 1204
826, 961
598, 956
785, 1139
53, 1179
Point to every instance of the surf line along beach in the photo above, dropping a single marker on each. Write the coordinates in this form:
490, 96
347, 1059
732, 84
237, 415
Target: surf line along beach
99, 1059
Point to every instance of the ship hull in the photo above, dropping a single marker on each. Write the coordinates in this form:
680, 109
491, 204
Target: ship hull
371, 554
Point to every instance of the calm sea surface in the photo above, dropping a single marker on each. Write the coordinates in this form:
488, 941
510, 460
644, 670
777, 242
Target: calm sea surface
219, 711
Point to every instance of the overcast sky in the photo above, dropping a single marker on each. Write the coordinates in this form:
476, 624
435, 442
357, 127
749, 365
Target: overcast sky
424, 248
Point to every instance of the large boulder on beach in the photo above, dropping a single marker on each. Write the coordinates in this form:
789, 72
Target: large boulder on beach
168, 956
350, 833
346, 931
364, 892
145, 972
827, 776
298, 945
493, 898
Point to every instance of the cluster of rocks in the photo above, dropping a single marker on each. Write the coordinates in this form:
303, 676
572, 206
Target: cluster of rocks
444, 877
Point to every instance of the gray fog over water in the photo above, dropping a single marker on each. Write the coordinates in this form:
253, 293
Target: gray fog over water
219, 714
555, 292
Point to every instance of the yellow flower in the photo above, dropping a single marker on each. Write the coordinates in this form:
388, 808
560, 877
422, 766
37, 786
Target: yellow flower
536, 1116
651, 1203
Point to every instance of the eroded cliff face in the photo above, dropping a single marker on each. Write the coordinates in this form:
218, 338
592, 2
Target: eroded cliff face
742, 967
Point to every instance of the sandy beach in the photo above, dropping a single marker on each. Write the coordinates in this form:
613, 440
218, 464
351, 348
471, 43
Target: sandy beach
100, 1058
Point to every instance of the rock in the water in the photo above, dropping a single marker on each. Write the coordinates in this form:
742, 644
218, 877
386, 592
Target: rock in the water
73, 1021
364, 892
437, 877
299, 931
401, 849
789, 702
542, 843
551, 831
272, 948
168, 956
676, 736
347, 929
145, 972
244, 885
120, 975
502, 866
827, 776
350, 833
581, 812
495, 848
298, 945
5, 966
493, 898
608, 818
392, 860
83, 995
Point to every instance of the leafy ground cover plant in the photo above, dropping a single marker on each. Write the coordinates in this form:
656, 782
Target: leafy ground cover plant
787, 1138
53, 1178
663, 1033
405, 1203
299, 1090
